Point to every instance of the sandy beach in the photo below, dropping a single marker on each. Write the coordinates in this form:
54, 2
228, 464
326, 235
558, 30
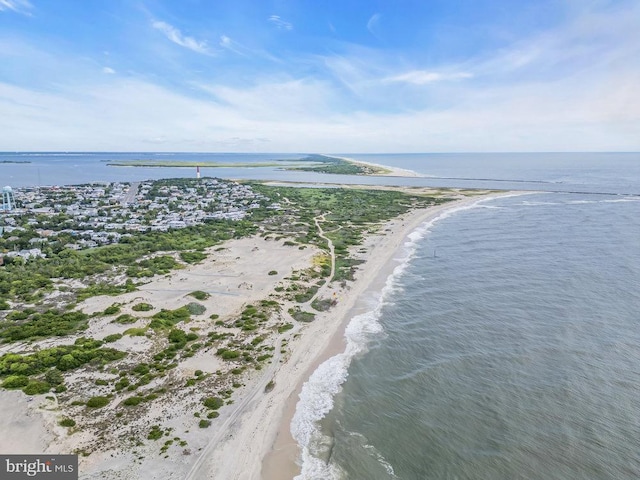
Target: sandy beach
251, 439
259, 444
386, 170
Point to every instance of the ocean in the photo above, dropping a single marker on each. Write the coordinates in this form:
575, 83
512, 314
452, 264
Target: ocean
506, 345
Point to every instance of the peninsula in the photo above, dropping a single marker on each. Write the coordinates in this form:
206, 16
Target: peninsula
149, 320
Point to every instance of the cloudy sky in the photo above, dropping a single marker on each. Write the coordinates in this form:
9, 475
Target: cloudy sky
320, 76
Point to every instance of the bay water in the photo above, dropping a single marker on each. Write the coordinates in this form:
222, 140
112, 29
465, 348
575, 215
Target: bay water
505, 346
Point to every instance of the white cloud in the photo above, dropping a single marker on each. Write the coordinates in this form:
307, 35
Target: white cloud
522, 98
423, 77
18, 6
233, 46
178, 38
108, 70
279, 23
372, 24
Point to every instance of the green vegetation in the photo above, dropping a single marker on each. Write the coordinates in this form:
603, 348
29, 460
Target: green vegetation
98, 402
204, 423
155, 433
195, 308
67, 422
168, 318
285, 327
112, 338
125, 319
104, 288
227, 354
36, 387
135, 332
302, 316
112, 310
160, 265
213, 403
133, 401
15, 381
19, 370
192, 257
41, 325
337, 166
200, 295
30, 288
322, 305
142, 307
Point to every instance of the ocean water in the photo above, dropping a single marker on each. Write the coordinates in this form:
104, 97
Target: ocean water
506, 345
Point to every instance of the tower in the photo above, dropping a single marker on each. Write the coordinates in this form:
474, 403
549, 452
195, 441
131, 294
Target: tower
198, 171
8, 200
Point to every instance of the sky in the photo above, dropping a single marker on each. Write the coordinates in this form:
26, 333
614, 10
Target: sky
351, 76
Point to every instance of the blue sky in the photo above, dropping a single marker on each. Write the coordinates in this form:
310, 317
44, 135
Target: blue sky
310, 76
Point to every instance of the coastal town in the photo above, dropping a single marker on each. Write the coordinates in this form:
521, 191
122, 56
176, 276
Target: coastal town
131, 312
40, 220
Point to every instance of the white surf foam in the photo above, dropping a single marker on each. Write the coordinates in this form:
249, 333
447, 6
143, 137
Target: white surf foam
316, 397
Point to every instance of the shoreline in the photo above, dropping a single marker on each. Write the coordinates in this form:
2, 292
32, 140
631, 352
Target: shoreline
252, 439
259, 444
388, 171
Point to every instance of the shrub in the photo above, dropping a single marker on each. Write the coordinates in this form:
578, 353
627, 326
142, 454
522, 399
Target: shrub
54, 377
112, 338
196, 308
155, 433
322, 305
301, 316
67, 422
177, 336
142, 307
135, 332
230, 354
213, 414
213, 403
133, 401
168, 318
199, 295
192, 257
36, 387
141, 369
101, 382
97, 402
273, 272
112, 310
204, 423
125, 319
285, 327
15, 381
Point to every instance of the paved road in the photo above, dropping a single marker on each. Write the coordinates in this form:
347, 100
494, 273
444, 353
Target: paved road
130, 196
